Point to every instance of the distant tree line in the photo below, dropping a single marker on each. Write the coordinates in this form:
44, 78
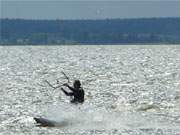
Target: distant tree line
108, 31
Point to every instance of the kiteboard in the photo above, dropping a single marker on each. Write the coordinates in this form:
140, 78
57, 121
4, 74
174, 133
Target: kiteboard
49, 123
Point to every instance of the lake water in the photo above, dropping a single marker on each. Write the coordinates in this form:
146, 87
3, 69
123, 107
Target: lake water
129, 90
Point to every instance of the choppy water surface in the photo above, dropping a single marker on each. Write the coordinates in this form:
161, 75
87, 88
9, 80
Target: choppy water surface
129, 89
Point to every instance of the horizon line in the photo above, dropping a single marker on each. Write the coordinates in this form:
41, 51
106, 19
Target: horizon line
85, 19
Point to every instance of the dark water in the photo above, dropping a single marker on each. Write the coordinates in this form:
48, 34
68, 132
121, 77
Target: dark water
129, 89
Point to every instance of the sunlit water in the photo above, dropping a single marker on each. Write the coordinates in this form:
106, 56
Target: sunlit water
129, 89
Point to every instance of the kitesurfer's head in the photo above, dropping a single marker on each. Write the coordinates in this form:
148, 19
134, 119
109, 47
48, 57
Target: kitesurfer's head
77, 84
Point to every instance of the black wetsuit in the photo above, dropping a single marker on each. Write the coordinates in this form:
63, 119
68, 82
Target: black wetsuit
78, 94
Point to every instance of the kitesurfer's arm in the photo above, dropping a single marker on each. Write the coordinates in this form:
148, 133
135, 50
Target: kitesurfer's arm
67, 93
71, 88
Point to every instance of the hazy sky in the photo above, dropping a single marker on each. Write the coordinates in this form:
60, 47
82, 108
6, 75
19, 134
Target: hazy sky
88, 9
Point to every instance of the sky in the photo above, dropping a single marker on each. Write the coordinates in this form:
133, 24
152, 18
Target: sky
88, 9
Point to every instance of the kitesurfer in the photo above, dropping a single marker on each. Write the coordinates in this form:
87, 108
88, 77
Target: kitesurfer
77, 92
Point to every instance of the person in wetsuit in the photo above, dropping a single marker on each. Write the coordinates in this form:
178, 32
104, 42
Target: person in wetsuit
76, 91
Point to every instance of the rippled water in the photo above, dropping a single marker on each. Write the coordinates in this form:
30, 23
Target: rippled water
129, 89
